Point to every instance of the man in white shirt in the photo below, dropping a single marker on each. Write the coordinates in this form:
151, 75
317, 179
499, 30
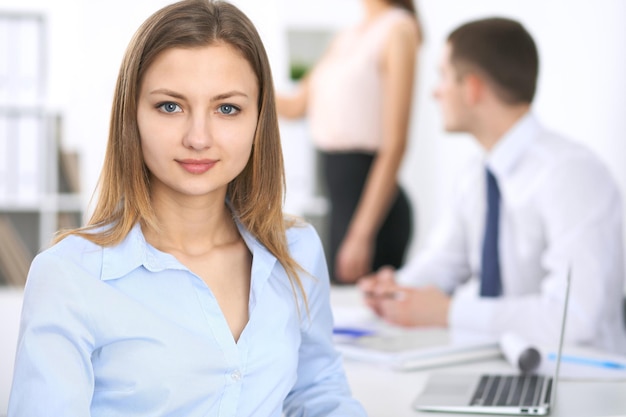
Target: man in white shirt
535, 205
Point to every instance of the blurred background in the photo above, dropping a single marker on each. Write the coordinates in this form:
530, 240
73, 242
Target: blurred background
59, 61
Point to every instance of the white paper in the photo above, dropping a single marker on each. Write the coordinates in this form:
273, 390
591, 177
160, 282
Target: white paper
404, 349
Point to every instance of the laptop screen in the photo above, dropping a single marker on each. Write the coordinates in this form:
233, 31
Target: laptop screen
561, 337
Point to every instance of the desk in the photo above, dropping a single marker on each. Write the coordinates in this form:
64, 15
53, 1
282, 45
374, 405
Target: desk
387, 393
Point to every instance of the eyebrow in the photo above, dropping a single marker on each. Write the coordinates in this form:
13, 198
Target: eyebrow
218, 97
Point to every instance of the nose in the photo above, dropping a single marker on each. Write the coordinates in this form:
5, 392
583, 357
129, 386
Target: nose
198, 135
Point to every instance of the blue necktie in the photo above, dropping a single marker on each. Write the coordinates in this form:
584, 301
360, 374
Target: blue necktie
491, 285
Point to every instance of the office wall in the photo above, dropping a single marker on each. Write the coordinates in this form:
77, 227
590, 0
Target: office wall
582, 90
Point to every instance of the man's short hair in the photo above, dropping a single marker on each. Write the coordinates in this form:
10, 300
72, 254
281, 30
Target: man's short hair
502, 50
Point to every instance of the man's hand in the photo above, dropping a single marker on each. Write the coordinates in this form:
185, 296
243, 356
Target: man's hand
411, 307
404, 306
377, 286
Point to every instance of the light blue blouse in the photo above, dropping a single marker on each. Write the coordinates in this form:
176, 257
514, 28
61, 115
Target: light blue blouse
130, 331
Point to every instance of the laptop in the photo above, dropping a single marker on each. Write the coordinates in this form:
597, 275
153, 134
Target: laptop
521, 394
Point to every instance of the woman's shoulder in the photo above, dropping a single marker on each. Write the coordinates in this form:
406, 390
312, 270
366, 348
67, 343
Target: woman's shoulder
307, 250
73, 244
300, 232
403, 23
305, 245
72, 250
401, 14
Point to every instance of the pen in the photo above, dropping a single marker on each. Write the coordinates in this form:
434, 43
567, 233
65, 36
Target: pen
588, 361
394, 295
352, 331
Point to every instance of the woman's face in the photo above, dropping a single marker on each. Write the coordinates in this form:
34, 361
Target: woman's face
197, 114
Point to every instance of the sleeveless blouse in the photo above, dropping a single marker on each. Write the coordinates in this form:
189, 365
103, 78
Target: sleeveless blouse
346, 88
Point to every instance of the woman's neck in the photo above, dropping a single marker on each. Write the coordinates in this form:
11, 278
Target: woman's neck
191, 226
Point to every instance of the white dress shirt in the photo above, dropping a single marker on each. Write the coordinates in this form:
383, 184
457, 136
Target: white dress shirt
560, 207
130, 331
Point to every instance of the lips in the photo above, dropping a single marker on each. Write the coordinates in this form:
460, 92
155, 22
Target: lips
196, 166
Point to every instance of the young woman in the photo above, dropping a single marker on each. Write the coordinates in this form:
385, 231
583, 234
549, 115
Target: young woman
358, 103
188, 293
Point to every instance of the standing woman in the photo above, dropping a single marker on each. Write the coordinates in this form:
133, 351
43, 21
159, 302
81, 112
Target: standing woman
358, 103
188, 293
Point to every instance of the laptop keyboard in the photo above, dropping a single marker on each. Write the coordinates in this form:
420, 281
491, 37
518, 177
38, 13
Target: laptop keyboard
509, 390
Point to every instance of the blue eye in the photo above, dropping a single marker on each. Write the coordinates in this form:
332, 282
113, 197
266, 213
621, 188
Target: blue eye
170, 107
228, 109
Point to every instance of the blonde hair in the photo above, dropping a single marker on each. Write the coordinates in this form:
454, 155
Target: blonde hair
256, 195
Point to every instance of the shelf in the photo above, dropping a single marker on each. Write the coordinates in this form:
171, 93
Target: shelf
42, 203
39, 179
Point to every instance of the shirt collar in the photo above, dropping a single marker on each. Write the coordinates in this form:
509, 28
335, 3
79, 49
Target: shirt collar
262, 263
511, 147
134, 252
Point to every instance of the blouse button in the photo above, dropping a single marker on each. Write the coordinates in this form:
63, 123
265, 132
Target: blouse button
236, 375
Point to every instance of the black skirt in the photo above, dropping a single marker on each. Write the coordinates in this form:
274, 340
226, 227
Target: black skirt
345, 175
